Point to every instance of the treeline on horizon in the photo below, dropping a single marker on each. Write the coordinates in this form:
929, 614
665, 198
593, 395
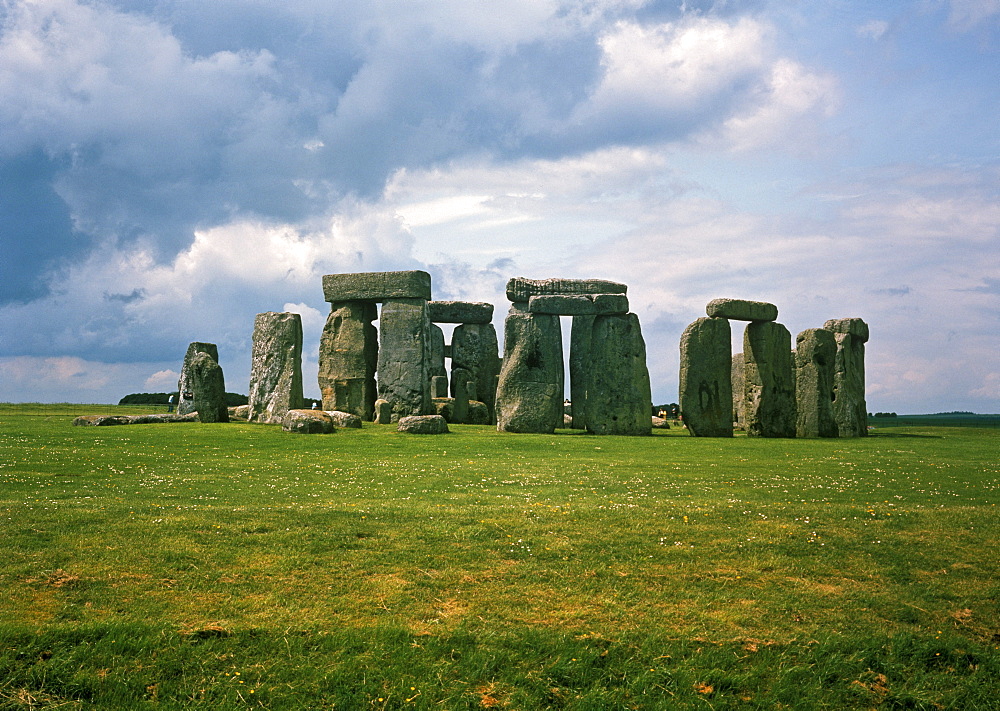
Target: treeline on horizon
232, 399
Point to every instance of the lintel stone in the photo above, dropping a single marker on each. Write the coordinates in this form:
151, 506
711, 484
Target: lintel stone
377, 286
460, 311
852, 326
741, 310
579, 304
521, 289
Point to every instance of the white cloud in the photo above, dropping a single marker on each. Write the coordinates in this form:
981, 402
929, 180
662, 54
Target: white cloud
968, 14
873, 29
162, 380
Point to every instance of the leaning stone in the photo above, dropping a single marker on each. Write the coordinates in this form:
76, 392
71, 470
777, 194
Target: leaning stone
346, 420
705, 395
206, 385
348, 356
530, 390
404, 356
855, 327
815, 354
307, 422
474, 348
618, 391
741, 310
383, 412
769, 376
185, 404
423, 424
275, 366
521, 289
377, 286
460, 311
579, 304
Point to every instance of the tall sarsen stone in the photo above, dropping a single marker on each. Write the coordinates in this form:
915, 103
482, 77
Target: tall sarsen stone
705, 395
275, 366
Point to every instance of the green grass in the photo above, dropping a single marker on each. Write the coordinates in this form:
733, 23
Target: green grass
237, 566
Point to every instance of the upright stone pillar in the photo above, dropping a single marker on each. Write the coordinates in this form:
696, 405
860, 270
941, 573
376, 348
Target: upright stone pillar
202, 385
185, 384
705, 395
436, 366
474, 348
275, 366
579, 368
404, 354
739, 409
530, 391
769, 380
849, 407
618, 392
348, 354
815, 352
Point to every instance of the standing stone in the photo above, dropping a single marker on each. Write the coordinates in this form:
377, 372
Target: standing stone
439, 386
404, 356
275, 366
815, 353
460, 408
705, 395
383, 412
739, 408
769, 380
849, 407
436, 365
185, 385
530, 391
474, 348
618, 391
208, 387
579, 369
348, 354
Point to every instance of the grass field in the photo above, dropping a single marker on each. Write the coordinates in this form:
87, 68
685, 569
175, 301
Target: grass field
237, 566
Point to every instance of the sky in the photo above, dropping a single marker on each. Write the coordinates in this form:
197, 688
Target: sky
171, 168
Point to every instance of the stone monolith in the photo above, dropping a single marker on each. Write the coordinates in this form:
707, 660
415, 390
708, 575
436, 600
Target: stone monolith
348, 354
849, 407
580, 336
275, 366
202, 389
769, 377
404, 355
474, 348
618, 391
530, 391
705, 394
815, 354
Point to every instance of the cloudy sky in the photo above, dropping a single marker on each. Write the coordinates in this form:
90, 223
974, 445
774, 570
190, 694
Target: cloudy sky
170, 168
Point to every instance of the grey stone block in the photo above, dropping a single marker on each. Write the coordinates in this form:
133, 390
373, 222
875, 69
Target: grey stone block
521, 289
460, 311
579, 304
377, 286
740, 310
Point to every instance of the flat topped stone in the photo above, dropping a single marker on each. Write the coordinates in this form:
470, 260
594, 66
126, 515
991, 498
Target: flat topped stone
852, 326
460, 311
579, 304
742, 310
521, 289
377, 286
423, 424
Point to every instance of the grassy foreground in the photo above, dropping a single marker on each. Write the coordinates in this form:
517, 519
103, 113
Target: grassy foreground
237, 566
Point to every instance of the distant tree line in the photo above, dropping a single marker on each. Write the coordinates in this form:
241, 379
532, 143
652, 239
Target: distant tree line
232, 399
883, 414
672, 409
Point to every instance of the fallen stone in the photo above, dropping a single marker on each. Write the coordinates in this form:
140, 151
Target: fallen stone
705, 395
308, 422
161, 418
815, 355
275, 366
101, 420
377, 286
345, 420
618, 390
660, 424
240, 412
460, 311
530, 390
348, 357
740, 310
769, 376
520, 289
423, 424
579, 304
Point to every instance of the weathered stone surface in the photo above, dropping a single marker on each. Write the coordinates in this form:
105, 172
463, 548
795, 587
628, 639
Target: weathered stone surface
579, 369
618, 392
348, 355
579, 304
346, 420
520, 289
478, 414
443, 406
474, 348
275, 366
855, 327
202, 386
240, 412
460, 311
423, 424
436, 365
741, 310
739, 388
660, 424
769, 376
439, 386
161, 418
404, 356
705, 395
383, 412
815, 354
530, 391
377, 286
307, 422
185, 402
850, 410
103, 420
460, 409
